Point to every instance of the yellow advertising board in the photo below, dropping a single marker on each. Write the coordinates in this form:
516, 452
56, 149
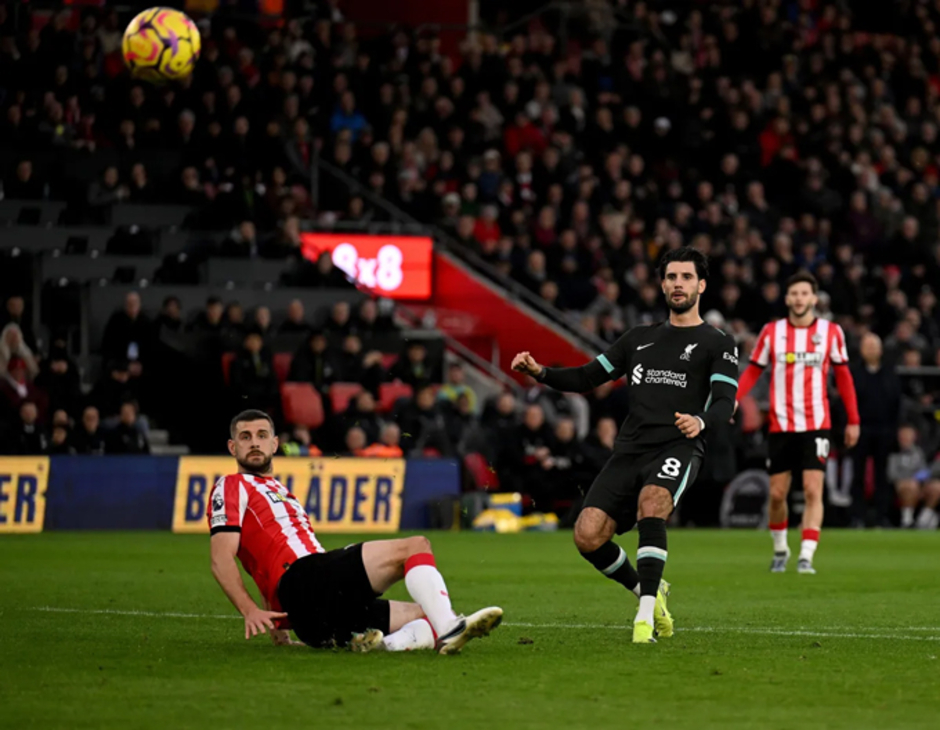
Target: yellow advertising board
23, 482
340, 495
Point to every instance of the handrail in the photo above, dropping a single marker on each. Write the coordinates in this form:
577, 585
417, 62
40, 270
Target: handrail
590, 341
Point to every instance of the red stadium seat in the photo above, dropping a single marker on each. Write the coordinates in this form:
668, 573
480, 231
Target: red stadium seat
483, 475
227, 359
302, 404
389, 359
282, 361
341, 394
391, 392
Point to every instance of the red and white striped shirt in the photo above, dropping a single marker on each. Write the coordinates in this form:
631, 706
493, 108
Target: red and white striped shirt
274, 526
800, 358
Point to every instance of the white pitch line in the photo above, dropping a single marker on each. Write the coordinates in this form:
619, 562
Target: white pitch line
596, 627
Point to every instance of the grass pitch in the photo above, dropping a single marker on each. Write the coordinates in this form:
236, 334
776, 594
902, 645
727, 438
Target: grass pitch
129, 630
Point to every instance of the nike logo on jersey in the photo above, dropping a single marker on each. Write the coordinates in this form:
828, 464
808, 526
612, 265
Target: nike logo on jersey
643, 347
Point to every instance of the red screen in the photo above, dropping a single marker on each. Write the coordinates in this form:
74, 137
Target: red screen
398, 267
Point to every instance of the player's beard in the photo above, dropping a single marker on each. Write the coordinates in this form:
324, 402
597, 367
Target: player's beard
683, 306
798, 314
259, 468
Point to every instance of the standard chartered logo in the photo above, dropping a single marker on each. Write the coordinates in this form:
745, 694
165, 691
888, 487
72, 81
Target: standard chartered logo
659, 377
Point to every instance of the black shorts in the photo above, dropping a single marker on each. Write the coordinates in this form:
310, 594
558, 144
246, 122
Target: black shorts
805, 451
617, 488
328, 597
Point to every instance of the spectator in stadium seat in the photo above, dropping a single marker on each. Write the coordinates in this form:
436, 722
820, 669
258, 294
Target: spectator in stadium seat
59, 378
88, 437
25, 185
530, 445
13, 345
127, 334
361, 413
314, 363
599, 445
128, 436
355, 366
15, 312
460, 422
879, 406
369, 322
354, 442
456, 385
295, 322
233, 325
262, 321
347, 116
208, 322
114, 387
170, 317
339, 323
242, 242
414, 368
104, 194
419, 420
568, 468
299, 443
59, 443
190, 190
252, 375
29, 438
908, 473
140, 189
388, 445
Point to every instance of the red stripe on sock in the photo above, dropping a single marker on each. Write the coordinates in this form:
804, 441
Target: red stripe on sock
419, 559
778, 526
811, 535
433, 632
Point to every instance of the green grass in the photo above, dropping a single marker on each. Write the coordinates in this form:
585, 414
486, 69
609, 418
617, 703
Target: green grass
853, 647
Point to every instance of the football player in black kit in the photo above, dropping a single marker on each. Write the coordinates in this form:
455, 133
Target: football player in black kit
682, 380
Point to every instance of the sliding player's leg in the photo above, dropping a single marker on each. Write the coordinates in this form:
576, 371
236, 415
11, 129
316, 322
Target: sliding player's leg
388, 561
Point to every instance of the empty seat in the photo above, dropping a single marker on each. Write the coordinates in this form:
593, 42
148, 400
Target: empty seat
341, 394
282, 361
302, 404
483, 475
389, 393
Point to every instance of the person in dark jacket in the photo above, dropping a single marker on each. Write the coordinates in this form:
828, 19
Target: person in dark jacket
314, 363
88, 438
252, 375
127, 437
879, 407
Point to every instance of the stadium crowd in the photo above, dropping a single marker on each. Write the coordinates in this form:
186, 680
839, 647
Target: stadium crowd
773, 135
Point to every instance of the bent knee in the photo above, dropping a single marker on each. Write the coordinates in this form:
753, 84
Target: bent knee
418, 544
587, 541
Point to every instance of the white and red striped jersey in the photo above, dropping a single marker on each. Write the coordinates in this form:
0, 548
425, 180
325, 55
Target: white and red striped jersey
274, 526
800, 359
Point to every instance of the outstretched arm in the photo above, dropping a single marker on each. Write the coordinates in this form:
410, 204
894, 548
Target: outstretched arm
572, 380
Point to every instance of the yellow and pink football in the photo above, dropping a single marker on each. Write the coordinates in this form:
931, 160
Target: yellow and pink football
161, 44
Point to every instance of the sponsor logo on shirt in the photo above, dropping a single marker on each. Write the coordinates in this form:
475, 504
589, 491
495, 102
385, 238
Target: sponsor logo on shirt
814, 359
733, 359
665, 377
637, 376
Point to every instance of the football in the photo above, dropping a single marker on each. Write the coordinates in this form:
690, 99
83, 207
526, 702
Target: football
161, 44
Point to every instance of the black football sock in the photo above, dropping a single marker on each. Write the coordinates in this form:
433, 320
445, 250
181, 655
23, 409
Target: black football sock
651, 554
611, 560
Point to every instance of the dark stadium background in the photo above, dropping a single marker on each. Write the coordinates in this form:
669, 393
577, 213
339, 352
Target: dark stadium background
552, 155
